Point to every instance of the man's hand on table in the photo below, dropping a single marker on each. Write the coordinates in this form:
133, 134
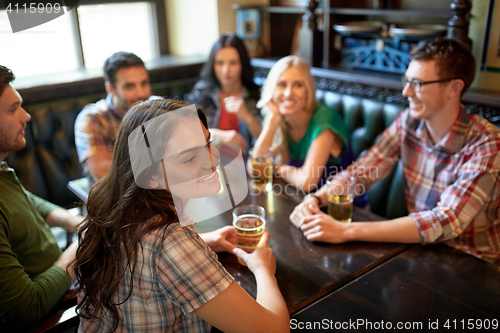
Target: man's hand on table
318, 226
302, 210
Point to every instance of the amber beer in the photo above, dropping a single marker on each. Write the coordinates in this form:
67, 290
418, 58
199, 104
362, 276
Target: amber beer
249, 224
262, 172
340, 207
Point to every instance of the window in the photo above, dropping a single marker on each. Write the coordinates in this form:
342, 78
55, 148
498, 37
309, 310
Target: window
85, 37
106, 29
50, 47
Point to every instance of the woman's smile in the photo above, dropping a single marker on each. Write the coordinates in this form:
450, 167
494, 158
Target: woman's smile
210, 178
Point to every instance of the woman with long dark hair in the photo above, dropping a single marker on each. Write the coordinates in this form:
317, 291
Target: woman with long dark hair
139, 268
227, 91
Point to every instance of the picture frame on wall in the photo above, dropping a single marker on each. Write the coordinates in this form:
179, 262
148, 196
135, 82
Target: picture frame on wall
493, 52
248, 23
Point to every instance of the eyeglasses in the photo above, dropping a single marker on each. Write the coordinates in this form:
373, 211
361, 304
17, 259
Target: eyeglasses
416, 84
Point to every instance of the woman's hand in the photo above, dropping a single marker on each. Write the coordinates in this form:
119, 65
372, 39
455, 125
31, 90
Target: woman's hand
229, 136
275, 111
272, 121
237, 106
260, 260
220, 240
234, 310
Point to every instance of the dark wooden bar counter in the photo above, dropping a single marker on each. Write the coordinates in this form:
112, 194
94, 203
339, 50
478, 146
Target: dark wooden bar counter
435, 286
306, 271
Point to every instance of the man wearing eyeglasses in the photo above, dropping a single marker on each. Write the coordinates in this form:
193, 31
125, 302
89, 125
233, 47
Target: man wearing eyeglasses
450, 159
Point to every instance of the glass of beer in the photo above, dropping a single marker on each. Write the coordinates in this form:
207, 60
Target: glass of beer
261, 169
340, 197
249, 222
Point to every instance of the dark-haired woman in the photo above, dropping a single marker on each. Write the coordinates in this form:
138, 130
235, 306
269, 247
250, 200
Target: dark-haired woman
228, 93
139, 269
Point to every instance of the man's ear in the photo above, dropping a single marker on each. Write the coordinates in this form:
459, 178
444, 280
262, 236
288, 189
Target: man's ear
109, 88
457, 86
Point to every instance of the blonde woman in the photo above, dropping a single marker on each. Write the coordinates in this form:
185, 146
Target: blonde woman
311, 139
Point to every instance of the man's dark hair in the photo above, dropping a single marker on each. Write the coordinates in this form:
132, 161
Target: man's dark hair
6, 77
453, 59
117, 61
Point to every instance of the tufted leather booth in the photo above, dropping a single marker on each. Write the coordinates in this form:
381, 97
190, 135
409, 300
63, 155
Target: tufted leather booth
367, 119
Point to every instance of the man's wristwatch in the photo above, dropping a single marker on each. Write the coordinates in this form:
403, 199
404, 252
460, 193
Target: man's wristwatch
310, 195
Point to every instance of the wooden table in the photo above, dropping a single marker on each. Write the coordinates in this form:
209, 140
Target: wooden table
425, 287
306, 271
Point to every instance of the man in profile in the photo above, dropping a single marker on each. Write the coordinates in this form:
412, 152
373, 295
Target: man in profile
451, 164
97, 125
34, 274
